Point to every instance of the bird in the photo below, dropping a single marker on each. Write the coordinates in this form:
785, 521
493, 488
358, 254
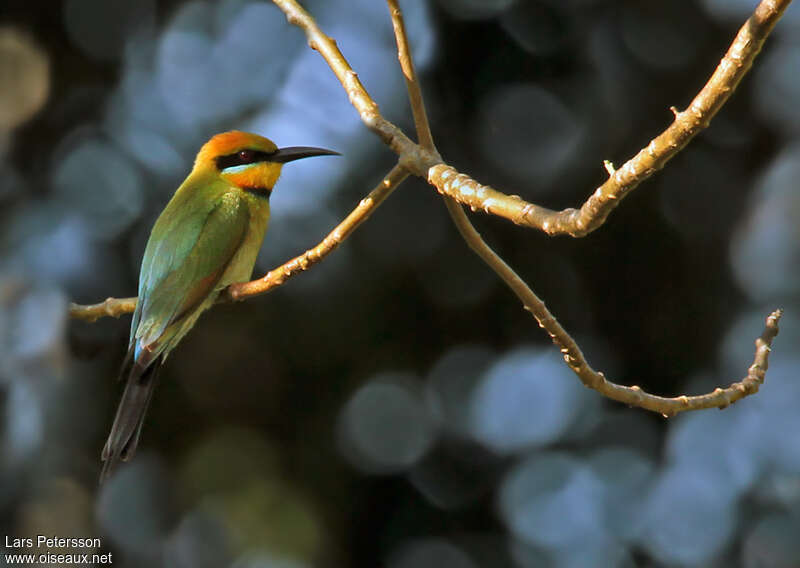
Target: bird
207, 237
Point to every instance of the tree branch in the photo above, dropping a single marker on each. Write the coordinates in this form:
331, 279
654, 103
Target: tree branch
592, 214
575, 360
412, 83
278, 276
113, 307
573, 356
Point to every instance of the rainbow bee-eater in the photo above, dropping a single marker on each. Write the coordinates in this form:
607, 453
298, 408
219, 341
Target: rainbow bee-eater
207, 237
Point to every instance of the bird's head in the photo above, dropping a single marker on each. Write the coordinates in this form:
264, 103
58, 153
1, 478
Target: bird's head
250, 161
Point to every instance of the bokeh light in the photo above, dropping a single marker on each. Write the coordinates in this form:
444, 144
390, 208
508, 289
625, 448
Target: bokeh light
660, 35
529, 133
554, 501
200, 540
536, 26
452, 382
24, 78
475, 9
689, 515
765, 251
131, 508
386, 426
731, 10
101, 185
735, 11
429, 553
695, 194
101, 27
775, 86
626, 475
59, 506
772, 541
527, 398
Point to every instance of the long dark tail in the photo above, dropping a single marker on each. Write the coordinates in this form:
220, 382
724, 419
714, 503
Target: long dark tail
124, 436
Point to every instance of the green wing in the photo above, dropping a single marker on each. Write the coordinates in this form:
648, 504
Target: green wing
191, 246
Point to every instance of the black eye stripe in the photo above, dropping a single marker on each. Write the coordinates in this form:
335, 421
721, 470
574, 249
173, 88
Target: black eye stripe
241, 158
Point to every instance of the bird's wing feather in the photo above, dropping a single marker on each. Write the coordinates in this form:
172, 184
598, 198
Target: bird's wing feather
185, 267
172, 237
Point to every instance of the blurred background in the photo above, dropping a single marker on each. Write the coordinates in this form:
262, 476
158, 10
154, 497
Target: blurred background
395, 406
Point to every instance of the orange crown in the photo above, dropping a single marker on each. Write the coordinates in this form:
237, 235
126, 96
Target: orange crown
230, 142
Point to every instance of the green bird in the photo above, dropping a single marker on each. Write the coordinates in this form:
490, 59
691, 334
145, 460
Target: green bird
207, 237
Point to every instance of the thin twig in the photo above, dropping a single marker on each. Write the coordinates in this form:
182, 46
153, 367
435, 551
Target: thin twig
412, 82
575, 360
277, 276
592, 214
113, 307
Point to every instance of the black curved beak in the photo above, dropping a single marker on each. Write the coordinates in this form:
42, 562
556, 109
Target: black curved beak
293, 153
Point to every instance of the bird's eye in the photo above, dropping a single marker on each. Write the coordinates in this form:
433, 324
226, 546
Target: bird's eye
246, 156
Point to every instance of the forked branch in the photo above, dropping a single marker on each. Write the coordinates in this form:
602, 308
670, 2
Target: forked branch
427, 164
573, 356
